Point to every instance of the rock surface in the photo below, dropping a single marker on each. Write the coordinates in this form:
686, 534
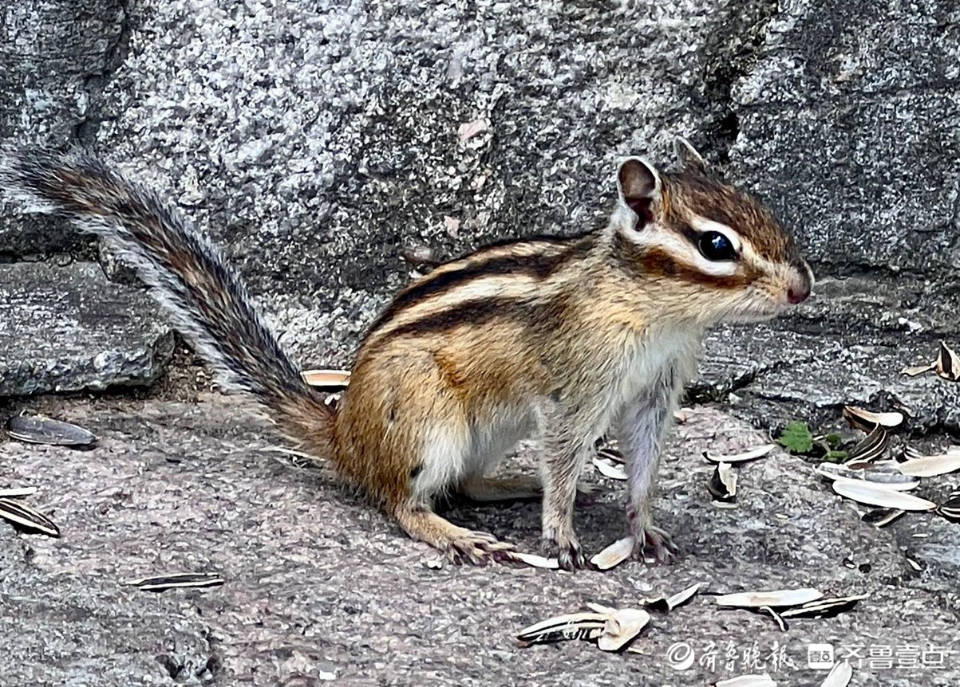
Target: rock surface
70, 329
55, 58
321, 587
315, 143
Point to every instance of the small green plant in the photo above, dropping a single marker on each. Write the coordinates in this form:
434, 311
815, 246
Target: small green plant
834, 441
834, 456
796, 438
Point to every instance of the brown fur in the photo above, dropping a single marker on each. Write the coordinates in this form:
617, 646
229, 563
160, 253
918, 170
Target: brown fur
694, 190
546, 329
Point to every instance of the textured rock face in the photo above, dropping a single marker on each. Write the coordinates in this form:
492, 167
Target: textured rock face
70, 329
316, 142
54, 60
319, 587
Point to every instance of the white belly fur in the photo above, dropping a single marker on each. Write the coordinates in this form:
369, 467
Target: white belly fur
451, 455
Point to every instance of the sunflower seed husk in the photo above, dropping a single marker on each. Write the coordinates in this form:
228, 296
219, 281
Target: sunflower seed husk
931, 466
327, 380
875, 495
839, 676
162, 583
15, 493
583, 625
600, 608
21, 514
611, 454
915, 370
889, 486
420, 254
667, 604
535, 561
609, 469
950, 509
742, 457
43, 430
879, 474
823, 607
614, 555
723, 483
881, 517
621, 627
777, 618
948, 363
869, 449
747, 681
911, 452
609, 449
774, 599
867, 420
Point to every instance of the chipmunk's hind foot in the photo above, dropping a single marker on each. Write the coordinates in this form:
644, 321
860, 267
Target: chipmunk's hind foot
460, 544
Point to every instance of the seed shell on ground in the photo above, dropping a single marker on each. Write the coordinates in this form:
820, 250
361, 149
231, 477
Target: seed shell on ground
839, 676
21, 514
763, 680
775, 599
44, 430
187, 580
16, 493
867, 419
327, 380
874, 495
609, 469
741, 457
931, 466
614, 555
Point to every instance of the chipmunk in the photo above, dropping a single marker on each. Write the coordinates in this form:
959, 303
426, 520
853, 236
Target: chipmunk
569, 336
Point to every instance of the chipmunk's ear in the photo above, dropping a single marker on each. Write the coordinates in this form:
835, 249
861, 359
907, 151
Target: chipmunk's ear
639, 186
687, 155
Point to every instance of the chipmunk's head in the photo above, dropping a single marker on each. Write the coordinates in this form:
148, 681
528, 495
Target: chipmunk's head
715, 252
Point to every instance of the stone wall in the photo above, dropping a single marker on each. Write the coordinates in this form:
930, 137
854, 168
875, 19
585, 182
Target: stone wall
315, 141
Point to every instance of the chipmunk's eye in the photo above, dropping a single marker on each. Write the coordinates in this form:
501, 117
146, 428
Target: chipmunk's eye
715, 246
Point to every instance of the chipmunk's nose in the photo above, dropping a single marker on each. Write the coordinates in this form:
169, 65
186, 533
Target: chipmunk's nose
801, 283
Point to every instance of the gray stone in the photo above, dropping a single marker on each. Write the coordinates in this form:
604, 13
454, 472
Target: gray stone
55, 60
316, 141
847, 346
319, 586
69, 329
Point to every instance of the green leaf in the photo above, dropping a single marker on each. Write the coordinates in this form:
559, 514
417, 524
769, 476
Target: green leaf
796, 438
835, 456
834, 441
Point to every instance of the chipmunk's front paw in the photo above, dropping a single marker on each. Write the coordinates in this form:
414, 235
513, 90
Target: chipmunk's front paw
653, 541
567, 550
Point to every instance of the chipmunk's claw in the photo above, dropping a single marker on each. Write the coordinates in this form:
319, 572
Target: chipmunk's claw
568, 553
479, 548
656, 542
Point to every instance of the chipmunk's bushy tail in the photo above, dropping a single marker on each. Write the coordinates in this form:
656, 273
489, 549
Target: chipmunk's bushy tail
187, 275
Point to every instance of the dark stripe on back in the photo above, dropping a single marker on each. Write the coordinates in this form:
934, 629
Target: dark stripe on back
537, 265
471, 312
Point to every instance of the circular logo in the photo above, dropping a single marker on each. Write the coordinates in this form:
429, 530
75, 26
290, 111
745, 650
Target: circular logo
680, 656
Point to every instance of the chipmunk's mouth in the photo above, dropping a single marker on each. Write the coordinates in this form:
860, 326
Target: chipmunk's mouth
758, 308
